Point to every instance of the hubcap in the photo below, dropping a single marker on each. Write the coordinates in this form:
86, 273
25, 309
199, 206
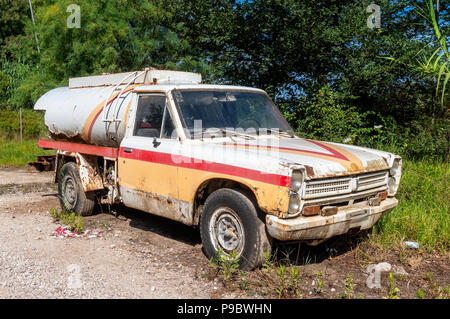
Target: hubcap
226, 230
69, 191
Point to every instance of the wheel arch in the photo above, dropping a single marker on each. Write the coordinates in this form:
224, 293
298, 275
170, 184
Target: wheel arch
88, 169
210, 185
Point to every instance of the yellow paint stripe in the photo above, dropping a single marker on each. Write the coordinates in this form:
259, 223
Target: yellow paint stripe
87, 124
182, 183
356, 163
92, 116
126, 116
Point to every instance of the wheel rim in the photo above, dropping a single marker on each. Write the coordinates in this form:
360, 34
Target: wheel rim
69, 192
227, 231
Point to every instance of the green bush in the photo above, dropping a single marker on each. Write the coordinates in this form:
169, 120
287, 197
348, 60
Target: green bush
5, 84
21, 84
32, 124
323, 117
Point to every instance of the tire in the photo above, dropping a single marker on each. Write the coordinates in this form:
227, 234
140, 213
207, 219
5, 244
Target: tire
71, 194
230, 222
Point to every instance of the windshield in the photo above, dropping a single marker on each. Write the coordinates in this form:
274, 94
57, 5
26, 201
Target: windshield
229, 111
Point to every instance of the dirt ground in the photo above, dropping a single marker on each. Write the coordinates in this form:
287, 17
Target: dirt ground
143, 256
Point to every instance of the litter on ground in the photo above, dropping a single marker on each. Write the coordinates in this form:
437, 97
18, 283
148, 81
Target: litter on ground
411, 244
65, 232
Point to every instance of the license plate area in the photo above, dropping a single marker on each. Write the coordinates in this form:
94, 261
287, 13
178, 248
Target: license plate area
359, 212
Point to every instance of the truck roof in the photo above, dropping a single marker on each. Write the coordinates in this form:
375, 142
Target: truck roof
168, 87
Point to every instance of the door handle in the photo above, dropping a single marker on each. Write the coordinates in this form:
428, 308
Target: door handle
128, 150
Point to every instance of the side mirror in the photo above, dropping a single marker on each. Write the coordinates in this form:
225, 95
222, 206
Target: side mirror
155, 142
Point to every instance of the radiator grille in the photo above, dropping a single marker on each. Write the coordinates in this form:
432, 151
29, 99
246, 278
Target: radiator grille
345, 185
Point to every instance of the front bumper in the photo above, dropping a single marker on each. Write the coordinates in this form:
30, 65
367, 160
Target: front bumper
323, 227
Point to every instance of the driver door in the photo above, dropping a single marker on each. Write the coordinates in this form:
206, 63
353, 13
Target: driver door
147, 172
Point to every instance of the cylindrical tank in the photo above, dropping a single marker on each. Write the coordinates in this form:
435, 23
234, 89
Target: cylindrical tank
78, 113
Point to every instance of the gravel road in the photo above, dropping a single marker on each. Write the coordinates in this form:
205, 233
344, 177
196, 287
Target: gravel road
138, 255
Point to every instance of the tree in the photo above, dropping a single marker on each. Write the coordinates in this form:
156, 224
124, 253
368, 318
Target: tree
114, 36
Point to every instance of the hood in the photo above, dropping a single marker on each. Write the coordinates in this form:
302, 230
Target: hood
320, 159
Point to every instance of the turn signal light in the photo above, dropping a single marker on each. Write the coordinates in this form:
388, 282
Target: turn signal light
311, 210
383, 195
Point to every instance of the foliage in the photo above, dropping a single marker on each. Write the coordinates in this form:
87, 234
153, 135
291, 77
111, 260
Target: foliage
13, 17
227, 264
438, 64
16, 153
296, 49
392, 289
32, 124
420, 294
322, 117
110, 39
283, 280
422, 212
349, 286
74, 222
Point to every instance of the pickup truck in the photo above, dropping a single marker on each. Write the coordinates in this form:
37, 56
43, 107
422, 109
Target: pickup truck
220, 158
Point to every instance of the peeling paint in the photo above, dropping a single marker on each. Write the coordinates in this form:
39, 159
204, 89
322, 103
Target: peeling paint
90, 176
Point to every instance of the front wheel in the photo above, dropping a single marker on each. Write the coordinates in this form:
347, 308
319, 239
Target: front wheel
230, 222
71, 194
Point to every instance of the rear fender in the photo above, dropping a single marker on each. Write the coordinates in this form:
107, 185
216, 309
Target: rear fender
91, 178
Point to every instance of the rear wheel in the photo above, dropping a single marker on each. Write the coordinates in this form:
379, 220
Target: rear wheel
71, 194
230, 222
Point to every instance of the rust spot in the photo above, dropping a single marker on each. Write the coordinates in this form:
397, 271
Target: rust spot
309, 171
376, 165
65, 138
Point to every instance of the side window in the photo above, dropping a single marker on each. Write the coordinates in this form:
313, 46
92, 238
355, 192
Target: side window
152, 116
168, 127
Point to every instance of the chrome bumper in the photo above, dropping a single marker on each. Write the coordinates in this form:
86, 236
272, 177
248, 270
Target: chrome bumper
323, 227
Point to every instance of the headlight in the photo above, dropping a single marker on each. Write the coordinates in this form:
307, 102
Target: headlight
294, 203
392, 185
296, 181
395, 172
395, 167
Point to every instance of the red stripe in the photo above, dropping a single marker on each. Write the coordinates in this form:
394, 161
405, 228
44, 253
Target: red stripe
79, 148
100, 111
198, 164
329, 149
334, 154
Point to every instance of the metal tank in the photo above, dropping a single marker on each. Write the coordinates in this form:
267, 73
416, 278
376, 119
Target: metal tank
94, 109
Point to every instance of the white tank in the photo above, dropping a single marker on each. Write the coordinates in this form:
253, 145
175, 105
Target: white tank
78, 113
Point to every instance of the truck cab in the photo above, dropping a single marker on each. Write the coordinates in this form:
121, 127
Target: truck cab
220, 158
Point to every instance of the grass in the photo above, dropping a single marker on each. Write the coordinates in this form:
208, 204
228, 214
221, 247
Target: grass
19, 154
423, 211
14, 152
32, 123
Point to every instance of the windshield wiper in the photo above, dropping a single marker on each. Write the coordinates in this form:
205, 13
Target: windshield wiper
226, 132
234, 133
